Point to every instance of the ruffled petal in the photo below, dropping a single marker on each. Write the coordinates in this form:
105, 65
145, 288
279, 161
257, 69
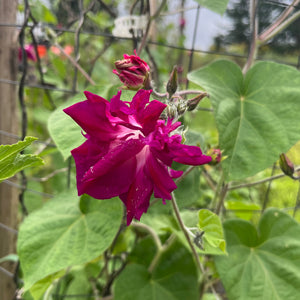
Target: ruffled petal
140, 100
91, 117
87, 155
189, 155
162, 182
137, 199
149, 116
100, 171
114, 157
119, 108
175, 173
112, 184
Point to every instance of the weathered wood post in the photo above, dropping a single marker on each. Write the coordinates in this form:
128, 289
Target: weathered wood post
8, 124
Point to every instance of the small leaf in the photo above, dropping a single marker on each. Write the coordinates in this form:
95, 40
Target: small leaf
59, 235
262, 264
45, 284
11, 161
218, 6
256, 115
213, 232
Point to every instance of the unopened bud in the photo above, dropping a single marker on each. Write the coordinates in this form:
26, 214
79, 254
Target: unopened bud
181, 107
286, 165
193, 103
216, 156
133, 72
172, 112
172, 83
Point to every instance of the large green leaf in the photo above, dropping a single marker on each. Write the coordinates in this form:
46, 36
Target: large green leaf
218, 6
258, 117
61, 235
262, 264
174, 278
11, 161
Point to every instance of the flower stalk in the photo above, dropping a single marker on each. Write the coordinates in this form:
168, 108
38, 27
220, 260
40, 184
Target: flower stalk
186, 234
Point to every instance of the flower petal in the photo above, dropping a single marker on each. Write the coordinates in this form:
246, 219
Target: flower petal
91, 116
114, 157
149, 116
189, 155
137, 199
140, 100
112, 184
162, 182
119, 108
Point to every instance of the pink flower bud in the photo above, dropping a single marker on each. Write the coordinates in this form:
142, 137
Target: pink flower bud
173, 82
216, 156
133, 72
193, 103
286, 165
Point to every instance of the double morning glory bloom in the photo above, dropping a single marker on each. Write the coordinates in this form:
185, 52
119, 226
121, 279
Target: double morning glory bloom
129, 150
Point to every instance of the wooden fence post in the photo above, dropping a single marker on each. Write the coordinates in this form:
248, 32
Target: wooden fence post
8, 124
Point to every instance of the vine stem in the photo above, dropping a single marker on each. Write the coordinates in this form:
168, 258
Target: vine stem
160, 248
188, 171
180, 93
264, 38
186, 234
254, 28
268, 31
186, 231
275, 28
260, 181
160, 252
74, 62
297, 201
151, 18
152, 233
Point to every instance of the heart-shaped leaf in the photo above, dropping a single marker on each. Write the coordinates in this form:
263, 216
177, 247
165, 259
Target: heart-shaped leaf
258, 117
174, 278
60, 235
262, 264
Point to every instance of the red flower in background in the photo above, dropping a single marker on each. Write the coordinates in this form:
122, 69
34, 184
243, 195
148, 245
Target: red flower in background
129, 150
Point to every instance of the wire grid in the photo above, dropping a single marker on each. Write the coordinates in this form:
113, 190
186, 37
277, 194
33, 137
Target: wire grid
22, 187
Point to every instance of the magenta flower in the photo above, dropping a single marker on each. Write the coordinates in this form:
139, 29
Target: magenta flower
30, 52
133, 72
129, 150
